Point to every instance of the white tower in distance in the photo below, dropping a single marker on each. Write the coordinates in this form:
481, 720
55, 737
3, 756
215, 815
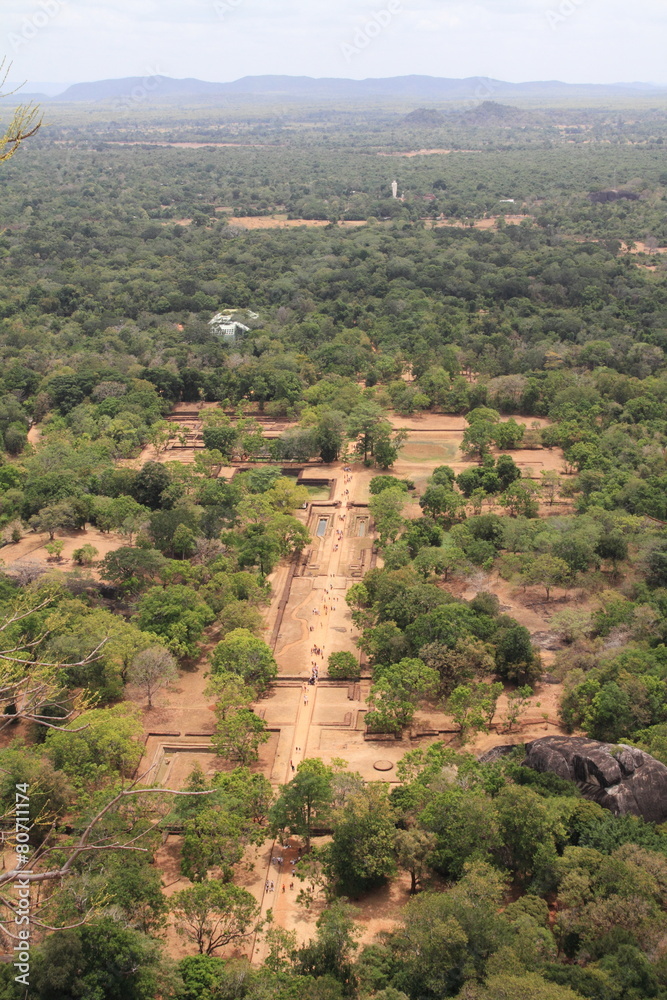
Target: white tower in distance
394, 189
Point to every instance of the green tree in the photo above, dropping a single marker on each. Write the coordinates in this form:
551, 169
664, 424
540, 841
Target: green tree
613, 548
526, 824
466, 826
286, 495
121, 513
177, 615
246, 793
361, 855
508, 434
517, 703
551, 484
507, 470
209, 462
443, 475
133, 569
184, 542
469, 659
213, 915
259, 547
431, 561
414, 853
343, 666
242, 653
384, 643
523, 986
330, 435
609, 716
202, 976
515, 657
100, 744
289, 533
387, 445
386, 510
441, 503
61, 516
472, 707
136, 887
150, 486
85, 556
331, 952
222, 438
99, 959
55, 549
305, 802
364, 423
477, 440
239, 735
519, 499
380, 483
548, 571
448, 937
215, 836
395, 693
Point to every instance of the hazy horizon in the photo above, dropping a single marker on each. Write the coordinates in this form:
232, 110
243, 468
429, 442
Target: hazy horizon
572, 41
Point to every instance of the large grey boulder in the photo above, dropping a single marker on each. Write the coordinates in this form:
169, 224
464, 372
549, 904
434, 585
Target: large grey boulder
618, 777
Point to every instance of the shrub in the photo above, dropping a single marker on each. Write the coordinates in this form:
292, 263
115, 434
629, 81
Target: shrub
85, 556
343, 666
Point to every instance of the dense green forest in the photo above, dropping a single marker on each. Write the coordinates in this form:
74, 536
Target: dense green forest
113, 260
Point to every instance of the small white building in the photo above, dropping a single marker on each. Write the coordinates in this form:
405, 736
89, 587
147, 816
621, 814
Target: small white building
225, 326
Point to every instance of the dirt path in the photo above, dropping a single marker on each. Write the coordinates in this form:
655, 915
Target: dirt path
316, 622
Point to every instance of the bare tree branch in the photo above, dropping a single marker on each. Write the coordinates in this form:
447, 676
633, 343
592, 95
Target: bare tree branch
84, 846
25, 123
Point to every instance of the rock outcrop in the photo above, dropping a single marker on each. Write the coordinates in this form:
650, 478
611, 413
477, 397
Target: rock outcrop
620, 778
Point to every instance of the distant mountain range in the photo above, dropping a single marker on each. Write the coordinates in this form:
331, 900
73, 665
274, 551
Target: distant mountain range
420, 88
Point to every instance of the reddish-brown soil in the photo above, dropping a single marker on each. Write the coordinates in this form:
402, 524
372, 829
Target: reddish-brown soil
640, 247
31, 548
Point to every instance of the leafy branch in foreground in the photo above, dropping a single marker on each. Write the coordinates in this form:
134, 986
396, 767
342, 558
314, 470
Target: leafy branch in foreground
52, 862
34, 689
25, 122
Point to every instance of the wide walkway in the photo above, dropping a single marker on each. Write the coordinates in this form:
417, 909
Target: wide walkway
322, 719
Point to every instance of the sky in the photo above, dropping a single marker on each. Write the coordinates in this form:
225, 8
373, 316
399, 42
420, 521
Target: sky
577, 41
